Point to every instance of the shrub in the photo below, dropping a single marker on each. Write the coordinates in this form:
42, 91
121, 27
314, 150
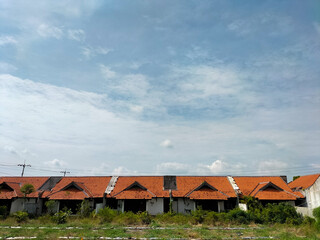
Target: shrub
198, 215
107, 215
20, 216
3, 212
127, 218
281, 213
145, 217
239, 216
61, 217
85, 209
51, 207
316, 214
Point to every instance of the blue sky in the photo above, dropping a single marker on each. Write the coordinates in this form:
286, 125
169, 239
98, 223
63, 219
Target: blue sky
160, 87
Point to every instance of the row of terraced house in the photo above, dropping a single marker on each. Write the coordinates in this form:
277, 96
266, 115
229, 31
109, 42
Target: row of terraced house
155, 194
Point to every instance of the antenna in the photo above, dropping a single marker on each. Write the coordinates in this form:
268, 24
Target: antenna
23, 167
64, 172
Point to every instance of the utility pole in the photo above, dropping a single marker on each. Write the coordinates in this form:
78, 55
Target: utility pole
64, 172
23, 167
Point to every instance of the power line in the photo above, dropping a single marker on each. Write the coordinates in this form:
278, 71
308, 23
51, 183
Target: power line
23, 167
64, 172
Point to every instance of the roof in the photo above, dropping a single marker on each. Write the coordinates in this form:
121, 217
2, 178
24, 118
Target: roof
187, 184
266, 188
304, 182
78, 188
12, 185
139, 187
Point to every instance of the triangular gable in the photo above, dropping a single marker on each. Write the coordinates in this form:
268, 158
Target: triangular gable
4, 185
213, 193
135, 185
140, 192
72, 185
264, 186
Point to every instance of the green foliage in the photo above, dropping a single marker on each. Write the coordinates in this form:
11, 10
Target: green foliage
316, 214
145, 217
252, 203
20, 216
85, 209
295, 177
61, 217
26, 189
238, 216
106, 215
3, 212
51, 207
198, 215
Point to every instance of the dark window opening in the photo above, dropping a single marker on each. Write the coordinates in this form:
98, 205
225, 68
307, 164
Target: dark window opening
73, 205
135, 205
112, 203
210, 205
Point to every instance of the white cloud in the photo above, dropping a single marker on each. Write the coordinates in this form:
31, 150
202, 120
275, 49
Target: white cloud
121, 171
172, 167
6, 67
4, 40
90, 52
47, 31
317, 27
56, 163
11, 149
76, 34
136, 109
272, 167
107, 72
135, 85
204, 81
166, 143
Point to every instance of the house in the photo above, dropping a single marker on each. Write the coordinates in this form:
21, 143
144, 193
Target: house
267, 189
12, 197
309, 186
155, 194
207, 192
138, 193
69, 192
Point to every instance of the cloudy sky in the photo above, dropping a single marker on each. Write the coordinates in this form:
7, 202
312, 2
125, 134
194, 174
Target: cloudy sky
160, 87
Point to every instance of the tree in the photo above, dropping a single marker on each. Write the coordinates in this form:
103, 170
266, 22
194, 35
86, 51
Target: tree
295, 177
27, 188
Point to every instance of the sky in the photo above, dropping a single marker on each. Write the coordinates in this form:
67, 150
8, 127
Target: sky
160, 87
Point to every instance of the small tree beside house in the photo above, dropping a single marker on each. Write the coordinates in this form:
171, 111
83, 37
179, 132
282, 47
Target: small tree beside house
27, 189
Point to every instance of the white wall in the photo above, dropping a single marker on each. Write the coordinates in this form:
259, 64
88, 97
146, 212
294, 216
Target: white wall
313, 195
17, 205
183, 205
30, 205
155, 206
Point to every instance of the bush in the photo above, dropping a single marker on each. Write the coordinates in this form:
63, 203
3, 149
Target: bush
61, 217
20, 216
106, 215
198, 215
85, 209
3, 212
239, 216
316, 214
281, 213
51, 207
145, 217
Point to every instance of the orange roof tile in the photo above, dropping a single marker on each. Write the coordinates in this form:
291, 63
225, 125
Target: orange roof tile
152, 186
304, 182
17, 182
266, 188
185, 184
78, 188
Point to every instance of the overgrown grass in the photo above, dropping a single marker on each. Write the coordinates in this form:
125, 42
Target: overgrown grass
279, 221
